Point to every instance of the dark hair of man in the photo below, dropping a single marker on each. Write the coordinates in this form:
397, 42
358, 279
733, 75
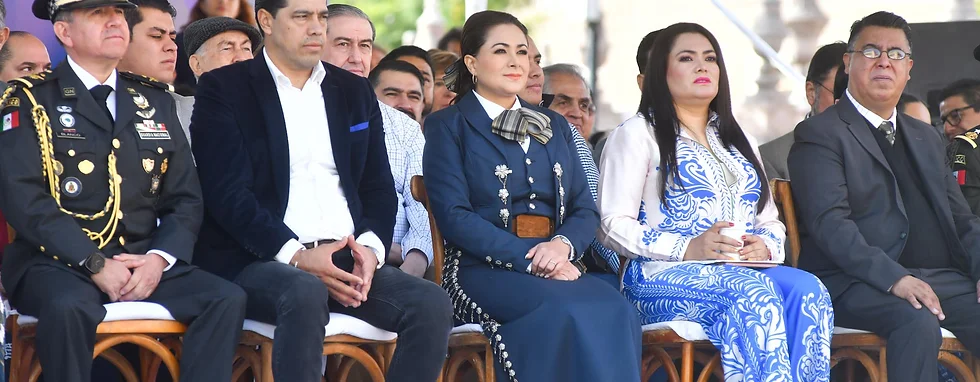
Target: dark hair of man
967, 88
657, 107
134, 15
827, 57
840, 82
906, 99
643, 51
339, 10
474, 36
5, 53
879, 19
454, 34
271, 6
395, 66
408, 51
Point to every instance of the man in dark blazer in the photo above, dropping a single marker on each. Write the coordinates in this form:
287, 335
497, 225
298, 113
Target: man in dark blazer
300, 203
887, 229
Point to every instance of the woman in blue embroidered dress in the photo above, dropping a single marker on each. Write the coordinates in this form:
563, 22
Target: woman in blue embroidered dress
512, 201
672, 179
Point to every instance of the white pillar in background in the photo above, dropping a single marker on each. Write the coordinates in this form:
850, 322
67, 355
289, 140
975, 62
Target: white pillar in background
430, 25
806, 23
964, 10
474, 6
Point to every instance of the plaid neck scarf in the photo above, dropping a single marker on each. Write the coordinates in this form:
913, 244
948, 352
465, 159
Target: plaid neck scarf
515, 125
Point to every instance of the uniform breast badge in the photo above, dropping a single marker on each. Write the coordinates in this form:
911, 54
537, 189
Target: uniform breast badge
86, 167
163, 166
146, 112
154, 184
71, 187
148, 165
67, 120
149, 129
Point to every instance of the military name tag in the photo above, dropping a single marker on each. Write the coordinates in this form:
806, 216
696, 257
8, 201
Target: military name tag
152, 130
69, 133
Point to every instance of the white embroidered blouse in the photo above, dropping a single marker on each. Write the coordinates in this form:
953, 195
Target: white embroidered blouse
634, 221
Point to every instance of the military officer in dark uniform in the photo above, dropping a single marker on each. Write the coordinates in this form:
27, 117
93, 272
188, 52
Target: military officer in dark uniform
98, 182
966, 166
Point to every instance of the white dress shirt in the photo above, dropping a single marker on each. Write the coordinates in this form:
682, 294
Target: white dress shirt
316, 208
869, 115
90, 82
493, 111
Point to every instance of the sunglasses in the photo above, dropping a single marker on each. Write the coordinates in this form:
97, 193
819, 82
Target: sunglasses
873, 53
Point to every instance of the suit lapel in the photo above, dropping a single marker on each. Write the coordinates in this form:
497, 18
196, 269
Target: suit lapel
72, 87
858, 126
915, 142
267, 98
125, 107
339, 123
478, 119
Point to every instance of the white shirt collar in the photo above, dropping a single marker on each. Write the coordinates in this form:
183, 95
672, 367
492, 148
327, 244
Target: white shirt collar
281, 80
873, 118
493, 110
88, 79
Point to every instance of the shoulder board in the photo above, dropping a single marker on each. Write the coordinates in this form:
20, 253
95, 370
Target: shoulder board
147, 81
969, 137
33, 79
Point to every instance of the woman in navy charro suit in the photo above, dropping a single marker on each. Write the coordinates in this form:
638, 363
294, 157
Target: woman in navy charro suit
512, 201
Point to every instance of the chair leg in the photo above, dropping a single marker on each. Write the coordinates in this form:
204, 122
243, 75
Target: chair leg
687, 362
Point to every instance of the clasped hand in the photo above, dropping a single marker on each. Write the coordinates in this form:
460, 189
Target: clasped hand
128, 277
550, 260
348, 288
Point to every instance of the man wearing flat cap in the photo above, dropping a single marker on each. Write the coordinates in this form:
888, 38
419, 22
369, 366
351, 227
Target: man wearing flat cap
99, 184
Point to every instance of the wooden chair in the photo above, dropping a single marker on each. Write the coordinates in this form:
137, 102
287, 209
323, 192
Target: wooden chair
467, 343
862, 347
151, 328
348, 341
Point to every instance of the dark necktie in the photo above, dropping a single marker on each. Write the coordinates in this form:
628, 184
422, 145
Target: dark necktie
101, 94
889, 130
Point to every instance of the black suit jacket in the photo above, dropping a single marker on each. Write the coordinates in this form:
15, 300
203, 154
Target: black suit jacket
164, 217
854, 221
242, 154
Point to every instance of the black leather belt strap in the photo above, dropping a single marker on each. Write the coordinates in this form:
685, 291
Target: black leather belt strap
318, 243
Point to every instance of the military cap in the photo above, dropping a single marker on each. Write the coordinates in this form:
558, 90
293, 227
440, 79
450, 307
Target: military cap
200, 31
46, 9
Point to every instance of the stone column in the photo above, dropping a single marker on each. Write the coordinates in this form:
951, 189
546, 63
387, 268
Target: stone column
430, 25
806, 23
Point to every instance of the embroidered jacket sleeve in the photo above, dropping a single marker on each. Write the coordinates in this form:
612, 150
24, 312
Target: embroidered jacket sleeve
592, 176
767, 224
628, 165
449, 195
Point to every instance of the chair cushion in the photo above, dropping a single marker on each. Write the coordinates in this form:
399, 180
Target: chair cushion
339, 324
119, 311
842, 330
687, 330
468, 328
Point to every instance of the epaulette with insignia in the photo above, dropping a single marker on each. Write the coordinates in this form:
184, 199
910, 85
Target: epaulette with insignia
969, 137
33, 79
148, 81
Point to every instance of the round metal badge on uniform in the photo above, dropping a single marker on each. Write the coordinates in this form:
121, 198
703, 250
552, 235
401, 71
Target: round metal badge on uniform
58, 168
86, 166
67, 120
115, 142
71, 186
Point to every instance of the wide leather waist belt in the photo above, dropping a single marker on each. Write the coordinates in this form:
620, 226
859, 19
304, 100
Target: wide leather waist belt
533, 227
318, 243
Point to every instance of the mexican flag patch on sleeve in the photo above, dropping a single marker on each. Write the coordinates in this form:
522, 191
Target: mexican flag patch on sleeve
11, 121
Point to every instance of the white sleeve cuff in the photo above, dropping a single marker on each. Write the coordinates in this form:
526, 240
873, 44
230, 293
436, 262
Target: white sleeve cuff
287, 251
370, 240
166, 256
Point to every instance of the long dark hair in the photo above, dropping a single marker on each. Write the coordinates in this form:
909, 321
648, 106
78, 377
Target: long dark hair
657, 107
458, 77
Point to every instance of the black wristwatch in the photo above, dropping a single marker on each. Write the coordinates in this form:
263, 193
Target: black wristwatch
94, 263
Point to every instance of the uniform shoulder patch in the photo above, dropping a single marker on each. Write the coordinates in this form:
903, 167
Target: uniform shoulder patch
147, 81
959, 159
33, 79
970, 137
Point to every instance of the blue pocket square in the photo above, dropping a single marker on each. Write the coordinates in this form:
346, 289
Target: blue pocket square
359, 127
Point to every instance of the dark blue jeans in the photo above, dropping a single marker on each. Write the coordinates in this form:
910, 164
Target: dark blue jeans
299, 305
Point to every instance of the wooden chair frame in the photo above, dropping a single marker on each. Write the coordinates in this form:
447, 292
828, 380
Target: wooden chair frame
342, 350
464, 348
865, 349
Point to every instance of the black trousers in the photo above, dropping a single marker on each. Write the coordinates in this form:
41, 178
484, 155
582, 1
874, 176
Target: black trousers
913, 334
69, 308
299, 305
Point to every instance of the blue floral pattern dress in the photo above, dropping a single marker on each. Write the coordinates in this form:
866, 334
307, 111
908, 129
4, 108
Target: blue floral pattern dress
770, 324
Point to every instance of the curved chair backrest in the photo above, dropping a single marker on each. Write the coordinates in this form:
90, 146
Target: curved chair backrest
438, 245
782, 195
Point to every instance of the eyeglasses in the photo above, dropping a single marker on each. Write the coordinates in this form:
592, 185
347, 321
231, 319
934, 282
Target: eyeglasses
955, 116
873, 53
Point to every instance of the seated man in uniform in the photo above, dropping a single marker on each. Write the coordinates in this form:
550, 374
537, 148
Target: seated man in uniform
960, 114
106, 204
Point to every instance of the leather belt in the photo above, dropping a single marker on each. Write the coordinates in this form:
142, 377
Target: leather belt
533, 227
318, 243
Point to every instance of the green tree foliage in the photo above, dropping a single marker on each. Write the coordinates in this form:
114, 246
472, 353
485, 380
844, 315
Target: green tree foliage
393, 17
